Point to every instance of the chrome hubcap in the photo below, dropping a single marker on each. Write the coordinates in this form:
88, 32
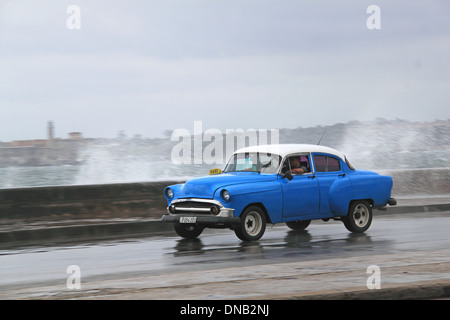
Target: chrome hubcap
361, 215
253, 223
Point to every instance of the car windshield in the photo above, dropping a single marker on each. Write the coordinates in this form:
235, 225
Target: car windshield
253, 162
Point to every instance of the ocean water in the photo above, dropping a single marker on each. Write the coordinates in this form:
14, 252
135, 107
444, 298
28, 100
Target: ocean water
17, 177
391, 145
14, 177
116, 170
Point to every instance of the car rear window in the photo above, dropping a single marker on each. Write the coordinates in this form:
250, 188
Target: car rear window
326, 163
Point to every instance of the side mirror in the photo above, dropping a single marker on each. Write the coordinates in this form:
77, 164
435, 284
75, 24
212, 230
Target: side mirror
288, 175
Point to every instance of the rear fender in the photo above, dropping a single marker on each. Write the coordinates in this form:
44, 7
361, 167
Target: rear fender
372, 186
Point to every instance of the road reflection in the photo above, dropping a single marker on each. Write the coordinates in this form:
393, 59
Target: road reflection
286, 243
189, 246
297, 237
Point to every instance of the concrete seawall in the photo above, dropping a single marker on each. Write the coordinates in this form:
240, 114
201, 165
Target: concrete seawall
422, 182
146, 200
127, 200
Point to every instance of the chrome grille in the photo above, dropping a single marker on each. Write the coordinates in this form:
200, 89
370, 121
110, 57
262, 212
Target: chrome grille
192, 206
199, 206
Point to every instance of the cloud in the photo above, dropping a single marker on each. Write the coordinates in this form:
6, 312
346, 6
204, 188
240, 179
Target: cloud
147, 66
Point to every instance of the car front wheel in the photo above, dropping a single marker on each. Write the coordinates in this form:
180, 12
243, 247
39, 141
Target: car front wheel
359, 217
188, 231
253, 224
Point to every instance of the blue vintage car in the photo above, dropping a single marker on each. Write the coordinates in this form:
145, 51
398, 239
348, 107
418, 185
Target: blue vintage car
290, 183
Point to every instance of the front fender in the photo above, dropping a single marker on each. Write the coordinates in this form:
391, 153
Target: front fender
268, 194
176, 191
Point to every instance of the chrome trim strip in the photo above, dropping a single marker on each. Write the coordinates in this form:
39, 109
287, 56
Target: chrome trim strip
198, 200
193, 209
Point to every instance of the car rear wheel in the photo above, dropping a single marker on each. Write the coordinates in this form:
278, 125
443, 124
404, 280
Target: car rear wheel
188, 231
359, 217
253, 224
298, 225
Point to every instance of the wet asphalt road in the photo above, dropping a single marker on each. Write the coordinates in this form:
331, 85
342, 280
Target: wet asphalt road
28, 268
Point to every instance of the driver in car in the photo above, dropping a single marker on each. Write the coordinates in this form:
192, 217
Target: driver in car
297, 167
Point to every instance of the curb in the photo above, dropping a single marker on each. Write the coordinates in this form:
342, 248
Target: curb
424, 290
76, 233
416, 208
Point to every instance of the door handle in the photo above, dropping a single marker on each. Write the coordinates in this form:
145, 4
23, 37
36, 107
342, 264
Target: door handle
312, 177
342, 175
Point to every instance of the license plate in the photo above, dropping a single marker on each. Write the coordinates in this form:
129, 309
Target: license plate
188, 219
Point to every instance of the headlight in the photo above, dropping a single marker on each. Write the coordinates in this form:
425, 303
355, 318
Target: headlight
169, 193
225, 195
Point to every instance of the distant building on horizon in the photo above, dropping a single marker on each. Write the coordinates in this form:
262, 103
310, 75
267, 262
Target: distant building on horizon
50, 134
75, 135
50, 142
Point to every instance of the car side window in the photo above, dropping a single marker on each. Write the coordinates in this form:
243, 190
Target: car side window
326, 163
333, 164
320, 162
295, 162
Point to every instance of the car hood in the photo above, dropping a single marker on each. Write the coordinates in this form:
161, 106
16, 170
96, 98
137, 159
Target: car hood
205, 187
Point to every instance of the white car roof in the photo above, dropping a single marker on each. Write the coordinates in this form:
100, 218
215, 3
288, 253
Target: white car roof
285, 149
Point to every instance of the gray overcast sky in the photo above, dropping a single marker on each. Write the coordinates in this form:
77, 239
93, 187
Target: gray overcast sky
148, 66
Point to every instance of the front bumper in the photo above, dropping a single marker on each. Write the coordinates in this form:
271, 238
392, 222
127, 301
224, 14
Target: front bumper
205, 221
200, 211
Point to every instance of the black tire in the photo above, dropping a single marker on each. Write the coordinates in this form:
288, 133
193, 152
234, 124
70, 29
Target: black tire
253, 224
188, 231
298, 225
359, 217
